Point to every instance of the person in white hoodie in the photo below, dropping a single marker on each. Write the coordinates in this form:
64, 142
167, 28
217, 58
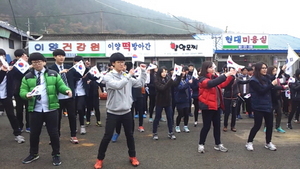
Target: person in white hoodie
119, 100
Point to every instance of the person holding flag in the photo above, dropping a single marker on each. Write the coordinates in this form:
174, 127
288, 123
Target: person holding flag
6, 93
43, 107
92, 95
69, 77
19, 68
211, 102
119, 101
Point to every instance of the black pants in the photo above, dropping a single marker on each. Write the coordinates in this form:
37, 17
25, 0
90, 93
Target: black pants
183, 112
258, 117
9, 109
278, 111
36, 123
230, 108
285, 103
196, 108
111, 122
151, 105
138, 106
119, 124
208, 117
80, 108
295, 109
92, 103
20, 104
68, 104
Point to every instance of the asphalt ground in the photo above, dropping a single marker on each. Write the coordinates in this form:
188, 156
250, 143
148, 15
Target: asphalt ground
157, 154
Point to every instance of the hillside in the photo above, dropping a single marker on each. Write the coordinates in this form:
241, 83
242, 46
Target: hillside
95, 16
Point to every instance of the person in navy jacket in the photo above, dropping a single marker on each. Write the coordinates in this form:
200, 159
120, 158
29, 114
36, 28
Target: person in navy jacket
261, 86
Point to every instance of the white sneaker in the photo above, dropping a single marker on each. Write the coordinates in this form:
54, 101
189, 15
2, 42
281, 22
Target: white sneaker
92, 113
82, 130
20, 139
221, 147
155, 137
201, 148
186, 129
195, 124
249, 146
1, 113
270, 146
177, 129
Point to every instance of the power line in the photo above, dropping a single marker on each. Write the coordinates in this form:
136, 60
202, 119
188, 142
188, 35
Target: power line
12, 10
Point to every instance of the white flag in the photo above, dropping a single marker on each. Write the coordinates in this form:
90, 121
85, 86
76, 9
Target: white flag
22, 65
231, 63
36, 91
4, 63
177, 71
136, 58
137, 71
80, 67
292, 57
195, 73
151, 66
94, 71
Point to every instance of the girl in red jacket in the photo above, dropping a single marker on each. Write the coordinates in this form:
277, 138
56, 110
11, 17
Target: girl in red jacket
211, 101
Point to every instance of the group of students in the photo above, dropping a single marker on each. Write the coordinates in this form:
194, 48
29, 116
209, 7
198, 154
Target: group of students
61, 87
64, 88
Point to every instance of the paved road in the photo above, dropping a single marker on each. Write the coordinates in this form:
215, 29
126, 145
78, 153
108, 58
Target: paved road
161, 154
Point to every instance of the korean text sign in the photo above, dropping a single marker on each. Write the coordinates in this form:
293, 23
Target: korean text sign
245, 41
130, 47
184, 48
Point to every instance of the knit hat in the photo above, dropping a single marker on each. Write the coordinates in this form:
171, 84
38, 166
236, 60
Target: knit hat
36, 56
2, 52
19, 52
59, 52
116, 57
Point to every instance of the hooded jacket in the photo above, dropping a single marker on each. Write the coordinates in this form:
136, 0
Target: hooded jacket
119, 91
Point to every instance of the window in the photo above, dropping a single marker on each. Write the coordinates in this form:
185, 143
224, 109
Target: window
11, 44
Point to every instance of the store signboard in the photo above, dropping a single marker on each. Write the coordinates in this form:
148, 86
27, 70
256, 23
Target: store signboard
72, 48
175, 48
130, 48
245, 41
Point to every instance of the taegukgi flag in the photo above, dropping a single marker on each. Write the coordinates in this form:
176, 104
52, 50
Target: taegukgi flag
231, 63
22, 65
80, 67
292, 57
151, 66
137, 58
177, 71
94, 71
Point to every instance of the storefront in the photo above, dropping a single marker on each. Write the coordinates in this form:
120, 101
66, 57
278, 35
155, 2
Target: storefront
163, 50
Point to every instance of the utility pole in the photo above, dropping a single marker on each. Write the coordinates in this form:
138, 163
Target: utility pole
101, 22
28, 33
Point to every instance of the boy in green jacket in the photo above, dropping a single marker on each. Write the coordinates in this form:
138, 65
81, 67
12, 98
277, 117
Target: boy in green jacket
42, 105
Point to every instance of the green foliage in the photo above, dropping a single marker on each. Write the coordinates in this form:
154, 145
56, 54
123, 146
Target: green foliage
95, 16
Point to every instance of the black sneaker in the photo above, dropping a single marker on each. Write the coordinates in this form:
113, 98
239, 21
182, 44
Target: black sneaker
56, 160
30, 159
289, 126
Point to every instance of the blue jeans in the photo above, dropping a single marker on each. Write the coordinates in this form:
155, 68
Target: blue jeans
158, 111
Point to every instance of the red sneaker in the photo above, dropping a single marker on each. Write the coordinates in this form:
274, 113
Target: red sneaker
98, 164
134, 161
141, 129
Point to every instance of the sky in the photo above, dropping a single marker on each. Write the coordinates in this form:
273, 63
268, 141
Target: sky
239, 16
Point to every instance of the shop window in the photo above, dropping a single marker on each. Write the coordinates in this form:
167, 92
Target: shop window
11, 44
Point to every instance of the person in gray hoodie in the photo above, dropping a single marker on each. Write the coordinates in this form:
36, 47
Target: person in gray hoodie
119, 100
